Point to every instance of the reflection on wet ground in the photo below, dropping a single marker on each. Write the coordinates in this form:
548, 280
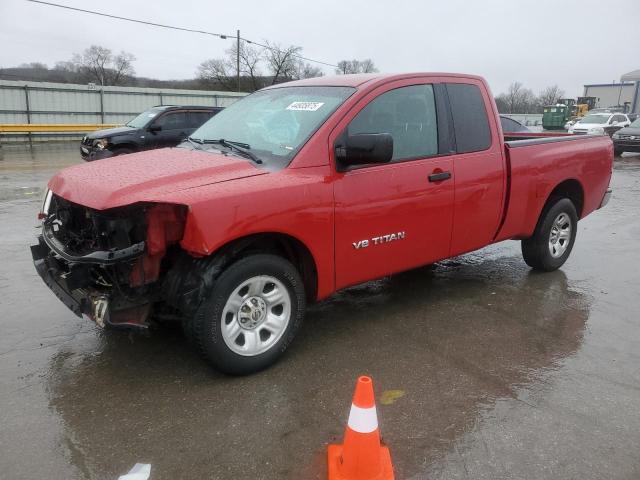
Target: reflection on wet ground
502, 373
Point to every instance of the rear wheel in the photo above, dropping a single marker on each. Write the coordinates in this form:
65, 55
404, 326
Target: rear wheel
251, 315
552, 241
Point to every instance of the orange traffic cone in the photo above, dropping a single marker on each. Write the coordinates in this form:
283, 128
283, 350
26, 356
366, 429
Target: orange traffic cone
361, 457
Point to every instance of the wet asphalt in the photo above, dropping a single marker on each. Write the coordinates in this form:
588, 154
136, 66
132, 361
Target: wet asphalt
482, 369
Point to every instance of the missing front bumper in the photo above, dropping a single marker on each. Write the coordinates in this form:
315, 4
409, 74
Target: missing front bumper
68, 282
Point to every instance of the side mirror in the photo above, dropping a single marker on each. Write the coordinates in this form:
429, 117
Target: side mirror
155, 128
364, 148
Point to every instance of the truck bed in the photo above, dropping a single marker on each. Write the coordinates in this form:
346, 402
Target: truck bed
534, 170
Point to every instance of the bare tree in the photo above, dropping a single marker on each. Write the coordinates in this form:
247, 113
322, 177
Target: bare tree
122, 66
550, 95
223, 71
306, 70
367, 66
282, 62
517, 99
217, 71
250, 58
100, 65
356, 66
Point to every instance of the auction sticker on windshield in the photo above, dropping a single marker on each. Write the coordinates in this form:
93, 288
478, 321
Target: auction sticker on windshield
306, 106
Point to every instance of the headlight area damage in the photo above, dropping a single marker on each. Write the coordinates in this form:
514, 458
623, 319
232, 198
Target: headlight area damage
106, 264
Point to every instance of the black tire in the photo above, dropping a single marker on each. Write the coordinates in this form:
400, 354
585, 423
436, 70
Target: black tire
207, 323
122, 151
536, 249
617, 152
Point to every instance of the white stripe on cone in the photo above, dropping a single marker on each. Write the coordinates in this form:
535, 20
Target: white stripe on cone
363, 420
140, 471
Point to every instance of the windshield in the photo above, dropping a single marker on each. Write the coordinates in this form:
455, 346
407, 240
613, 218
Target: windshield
595, 119
635, 123
274, 123
142, 119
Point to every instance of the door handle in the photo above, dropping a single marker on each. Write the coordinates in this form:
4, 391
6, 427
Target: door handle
439, 177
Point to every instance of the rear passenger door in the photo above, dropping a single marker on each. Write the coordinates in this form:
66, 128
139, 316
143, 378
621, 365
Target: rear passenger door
478, 167
396, 216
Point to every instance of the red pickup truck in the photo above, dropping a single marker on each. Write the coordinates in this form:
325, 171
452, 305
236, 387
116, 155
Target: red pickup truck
302, 189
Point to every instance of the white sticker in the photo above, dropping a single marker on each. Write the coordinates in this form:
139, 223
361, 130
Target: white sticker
306, 106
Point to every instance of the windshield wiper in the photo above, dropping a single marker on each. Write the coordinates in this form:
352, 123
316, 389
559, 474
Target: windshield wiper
242, 148
195, 142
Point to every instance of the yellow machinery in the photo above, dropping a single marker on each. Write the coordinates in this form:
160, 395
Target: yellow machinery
581, 110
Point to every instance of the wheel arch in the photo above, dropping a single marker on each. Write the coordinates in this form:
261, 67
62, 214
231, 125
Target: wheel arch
276, 243
571, 189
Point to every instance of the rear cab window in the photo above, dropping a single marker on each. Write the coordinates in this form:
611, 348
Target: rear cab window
470, 121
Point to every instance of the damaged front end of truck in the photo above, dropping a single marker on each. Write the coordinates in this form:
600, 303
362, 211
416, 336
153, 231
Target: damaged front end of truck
108, 265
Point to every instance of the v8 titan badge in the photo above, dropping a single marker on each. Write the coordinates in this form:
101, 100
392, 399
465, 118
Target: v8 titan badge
391, 237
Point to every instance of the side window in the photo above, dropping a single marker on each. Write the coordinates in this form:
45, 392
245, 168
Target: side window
196, 119
470, 121
172, 121
508, 125
619, 118
408, 114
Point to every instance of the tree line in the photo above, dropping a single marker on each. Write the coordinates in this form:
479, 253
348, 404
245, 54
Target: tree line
259, 67
518, 99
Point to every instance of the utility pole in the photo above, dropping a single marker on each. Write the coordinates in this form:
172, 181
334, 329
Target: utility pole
238, 56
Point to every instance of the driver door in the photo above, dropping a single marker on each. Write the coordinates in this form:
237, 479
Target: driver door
396, 216
173, 130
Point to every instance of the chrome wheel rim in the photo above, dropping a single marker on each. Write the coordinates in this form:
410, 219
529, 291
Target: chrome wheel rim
560, 235
256, 315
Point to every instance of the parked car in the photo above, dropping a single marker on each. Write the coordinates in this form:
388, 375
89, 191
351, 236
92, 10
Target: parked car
302, 189
511, 125
570, 123
158, 127
627, 139
600, 124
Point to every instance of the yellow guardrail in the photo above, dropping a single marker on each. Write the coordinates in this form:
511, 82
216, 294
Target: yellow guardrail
53, 127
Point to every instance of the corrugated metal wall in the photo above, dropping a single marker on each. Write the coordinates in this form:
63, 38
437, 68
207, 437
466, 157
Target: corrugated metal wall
610, 95
69, 103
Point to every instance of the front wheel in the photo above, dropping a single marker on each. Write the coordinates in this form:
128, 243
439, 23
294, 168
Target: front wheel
552, 241
252, 314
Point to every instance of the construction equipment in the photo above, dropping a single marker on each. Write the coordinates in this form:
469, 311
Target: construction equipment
589, 101
581, 110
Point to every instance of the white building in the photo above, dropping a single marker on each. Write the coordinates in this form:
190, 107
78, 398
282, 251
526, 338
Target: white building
625, 93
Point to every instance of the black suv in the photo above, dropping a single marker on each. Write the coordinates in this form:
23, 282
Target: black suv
627, 139
159, 127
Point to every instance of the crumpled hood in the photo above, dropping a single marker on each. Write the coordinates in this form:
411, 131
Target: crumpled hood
111, 132
146, 176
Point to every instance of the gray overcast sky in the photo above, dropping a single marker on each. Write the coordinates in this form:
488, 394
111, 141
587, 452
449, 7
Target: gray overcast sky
540, 42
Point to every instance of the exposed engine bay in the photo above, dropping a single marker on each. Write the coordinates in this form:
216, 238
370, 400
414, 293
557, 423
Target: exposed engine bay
107, 264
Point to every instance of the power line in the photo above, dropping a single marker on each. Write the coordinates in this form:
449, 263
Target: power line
223, 36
